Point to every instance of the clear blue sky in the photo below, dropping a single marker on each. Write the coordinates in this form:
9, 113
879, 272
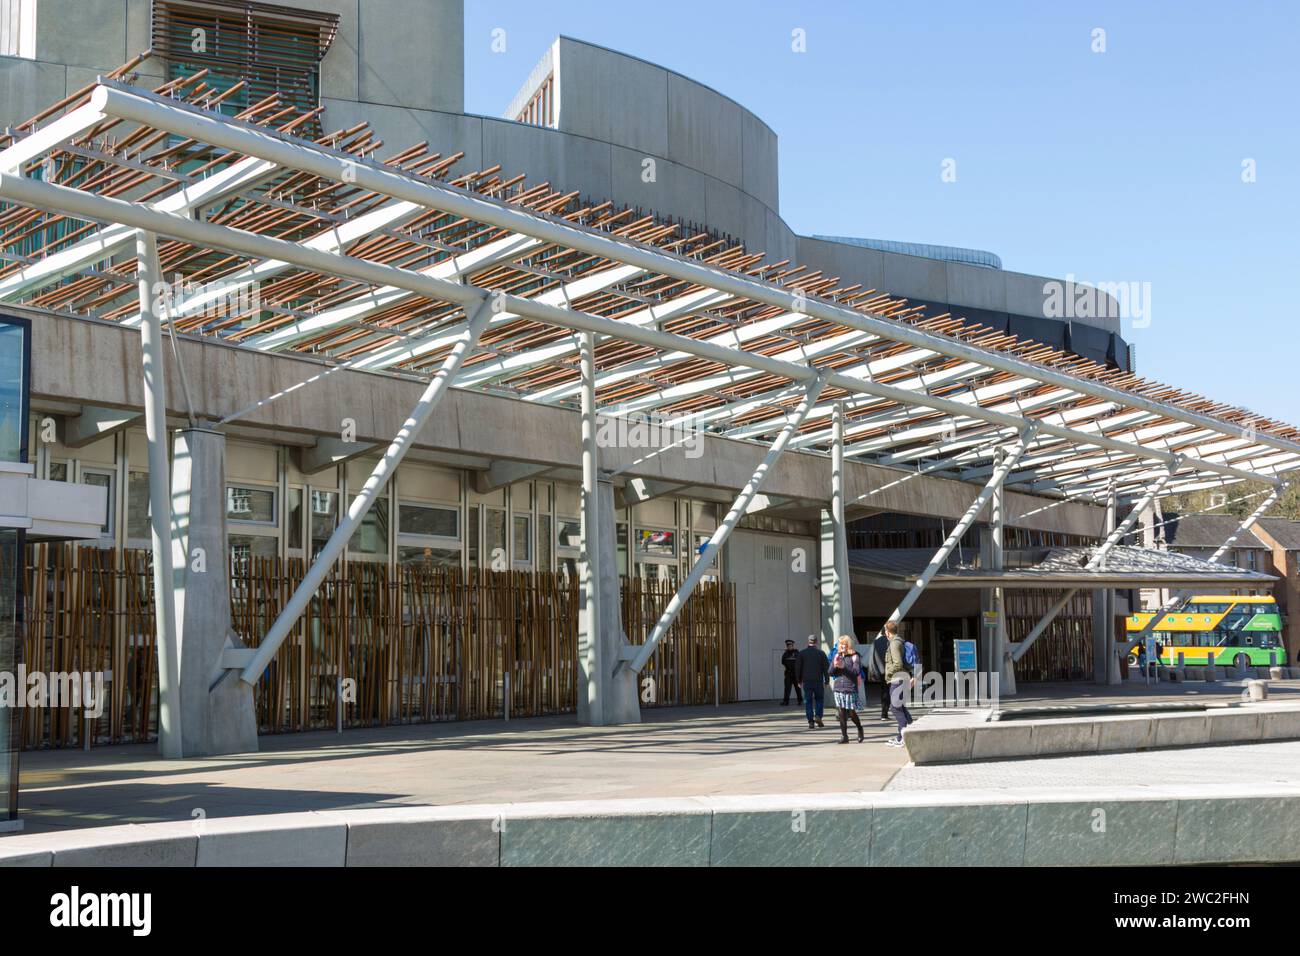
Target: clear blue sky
1119, 166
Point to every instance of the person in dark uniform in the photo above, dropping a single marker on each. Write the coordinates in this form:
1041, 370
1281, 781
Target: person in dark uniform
788, 661
876, 671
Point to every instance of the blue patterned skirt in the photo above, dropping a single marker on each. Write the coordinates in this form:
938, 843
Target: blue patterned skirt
847, 700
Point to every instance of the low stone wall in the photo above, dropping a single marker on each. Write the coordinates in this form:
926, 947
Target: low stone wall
962, 735
1157, 826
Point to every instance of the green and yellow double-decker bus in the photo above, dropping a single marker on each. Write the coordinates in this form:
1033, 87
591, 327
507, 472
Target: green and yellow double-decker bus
1228, 630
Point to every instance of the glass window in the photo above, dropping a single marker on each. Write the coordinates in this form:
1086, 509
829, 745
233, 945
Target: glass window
413, 555
250, 504
568, 533
620, 547
58, 471
523, 538
543, 542
471, 537
293, 533
324, 518
137, 505
655, 571
494, 538
102, 479
245, 547
372, 537
13, 391
247, 52
700, 541
656, 542
428, 520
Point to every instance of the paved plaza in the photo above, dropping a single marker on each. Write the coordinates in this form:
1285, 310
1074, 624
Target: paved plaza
735, 749
751, 748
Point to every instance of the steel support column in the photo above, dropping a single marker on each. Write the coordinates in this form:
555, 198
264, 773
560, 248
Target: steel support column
841, 608
590, 659
999, 663
149, 273
1105, 669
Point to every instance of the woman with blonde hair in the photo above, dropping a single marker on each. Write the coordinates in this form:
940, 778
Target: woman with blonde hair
845, 671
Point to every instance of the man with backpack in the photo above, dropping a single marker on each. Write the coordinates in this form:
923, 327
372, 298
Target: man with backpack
900, 678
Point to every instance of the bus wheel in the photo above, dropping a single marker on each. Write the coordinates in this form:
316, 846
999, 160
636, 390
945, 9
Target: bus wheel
1240, 662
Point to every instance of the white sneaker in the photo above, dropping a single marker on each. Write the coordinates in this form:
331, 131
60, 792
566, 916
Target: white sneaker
893, 742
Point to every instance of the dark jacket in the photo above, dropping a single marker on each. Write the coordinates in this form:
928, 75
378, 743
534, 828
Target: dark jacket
876, 665
789, 661
846, 671
811, 666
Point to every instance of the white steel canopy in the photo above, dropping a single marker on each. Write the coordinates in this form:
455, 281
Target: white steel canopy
378, 265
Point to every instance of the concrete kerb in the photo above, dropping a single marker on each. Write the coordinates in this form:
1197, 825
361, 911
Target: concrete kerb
963, 735
1158, 825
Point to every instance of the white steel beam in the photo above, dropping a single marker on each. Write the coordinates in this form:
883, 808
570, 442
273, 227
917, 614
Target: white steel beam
387, 464
963, 524
117, 100
114, 238
637, 656
105, 209
50, 136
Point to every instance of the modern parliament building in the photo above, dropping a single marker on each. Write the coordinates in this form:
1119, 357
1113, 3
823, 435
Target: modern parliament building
477, 345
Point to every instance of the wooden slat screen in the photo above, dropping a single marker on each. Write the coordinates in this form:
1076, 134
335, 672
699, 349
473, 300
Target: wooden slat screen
417, 643
1064, 650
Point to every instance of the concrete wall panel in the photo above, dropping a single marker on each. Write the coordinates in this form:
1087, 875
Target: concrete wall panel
340, 70
27, 87
90, 33
976, 286
567, 162
704, 129
758, 157
412, 53
97, 363
612, 97
676, 191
